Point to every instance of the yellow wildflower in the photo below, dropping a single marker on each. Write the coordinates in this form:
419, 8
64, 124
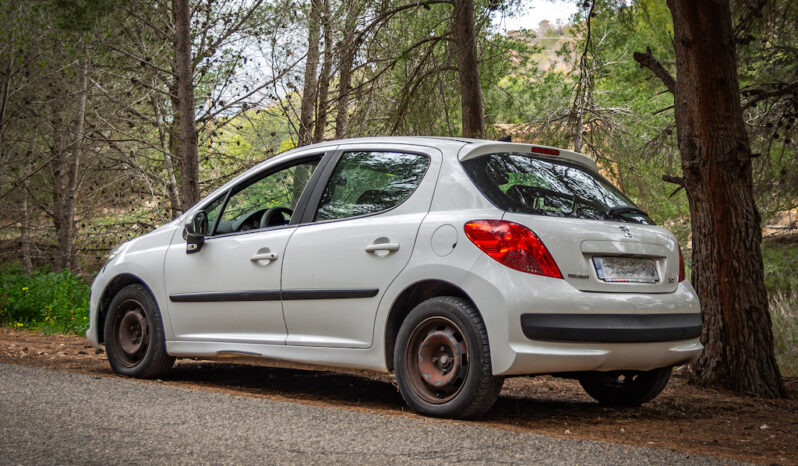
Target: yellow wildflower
24, 288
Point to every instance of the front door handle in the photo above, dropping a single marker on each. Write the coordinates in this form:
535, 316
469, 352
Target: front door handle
374, 247
264, 254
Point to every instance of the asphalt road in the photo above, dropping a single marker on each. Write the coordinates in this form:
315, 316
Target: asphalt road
51, 417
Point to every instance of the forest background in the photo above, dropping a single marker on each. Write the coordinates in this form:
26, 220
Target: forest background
90, 114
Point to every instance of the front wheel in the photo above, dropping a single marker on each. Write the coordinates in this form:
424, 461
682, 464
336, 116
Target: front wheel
625, 388
442, 360
134, 335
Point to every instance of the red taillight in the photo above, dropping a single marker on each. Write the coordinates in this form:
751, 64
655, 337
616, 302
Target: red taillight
545, 150
513, 245
681, 265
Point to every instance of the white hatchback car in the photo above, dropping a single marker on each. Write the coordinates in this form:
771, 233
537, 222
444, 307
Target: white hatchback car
451, 262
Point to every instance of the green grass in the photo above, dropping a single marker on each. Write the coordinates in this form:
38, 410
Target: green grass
45, 301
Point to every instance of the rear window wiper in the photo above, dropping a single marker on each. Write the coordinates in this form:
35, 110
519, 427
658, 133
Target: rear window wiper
616, 212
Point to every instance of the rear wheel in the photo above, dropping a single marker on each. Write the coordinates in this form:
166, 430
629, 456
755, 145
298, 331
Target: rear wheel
134, 335
625, 388
442, 360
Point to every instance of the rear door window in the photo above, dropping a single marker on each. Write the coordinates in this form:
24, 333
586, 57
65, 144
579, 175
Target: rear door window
525, 184
367, 182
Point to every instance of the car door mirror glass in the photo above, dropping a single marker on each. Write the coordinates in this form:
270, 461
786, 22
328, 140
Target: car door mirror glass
196, 230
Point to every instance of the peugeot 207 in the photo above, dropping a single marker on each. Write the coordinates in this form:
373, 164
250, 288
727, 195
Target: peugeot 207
452, 263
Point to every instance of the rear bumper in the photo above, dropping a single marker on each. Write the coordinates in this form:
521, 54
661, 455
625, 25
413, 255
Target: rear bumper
541, 325
539, 357
611, 328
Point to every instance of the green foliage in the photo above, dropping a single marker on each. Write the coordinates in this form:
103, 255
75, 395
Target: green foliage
781, 267
82, 15
781, 280
784, 315
44, 301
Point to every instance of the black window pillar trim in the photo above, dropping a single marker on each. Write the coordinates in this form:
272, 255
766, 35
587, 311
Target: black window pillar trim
330, 161
315, 179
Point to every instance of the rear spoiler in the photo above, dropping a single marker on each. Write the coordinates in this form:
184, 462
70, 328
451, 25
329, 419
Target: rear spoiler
470, 151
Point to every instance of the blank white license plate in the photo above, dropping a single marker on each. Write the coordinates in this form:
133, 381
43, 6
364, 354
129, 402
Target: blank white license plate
626, 269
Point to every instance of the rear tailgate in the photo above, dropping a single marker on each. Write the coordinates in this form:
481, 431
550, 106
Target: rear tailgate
608, 256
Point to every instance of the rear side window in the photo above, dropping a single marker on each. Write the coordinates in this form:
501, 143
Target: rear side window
525, 184
367, 182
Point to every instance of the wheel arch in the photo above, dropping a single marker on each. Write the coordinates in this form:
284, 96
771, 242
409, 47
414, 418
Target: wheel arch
408, 299
111, 289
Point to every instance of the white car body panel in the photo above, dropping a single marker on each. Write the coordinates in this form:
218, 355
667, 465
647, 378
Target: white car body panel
331, 255
239, 321
429, 226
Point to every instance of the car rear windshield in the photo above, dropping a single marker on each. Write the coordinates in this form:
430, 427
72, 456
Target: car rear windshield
525, 184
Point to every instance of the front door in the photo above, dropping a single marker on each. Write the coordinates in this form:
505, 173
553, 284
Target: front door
360, 237
229, 291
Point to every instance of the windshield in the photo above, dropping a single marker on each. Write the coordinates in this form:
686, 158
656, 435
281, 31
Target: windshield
526, 184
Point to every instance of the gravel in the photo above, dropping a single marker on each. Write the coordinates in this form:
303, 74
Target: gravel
51, 417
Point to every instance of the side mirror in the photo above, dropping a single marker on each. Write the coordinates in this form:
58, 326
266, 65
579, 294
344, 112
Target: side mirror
196, 229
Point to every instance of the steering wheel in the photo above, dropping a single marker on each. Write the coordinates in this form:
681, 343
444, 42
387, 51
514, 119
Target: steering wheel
274, 217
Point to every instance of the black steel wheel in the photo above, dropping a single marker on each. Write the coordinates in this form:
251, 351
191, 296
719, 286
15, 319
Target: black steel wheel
625, 388
134, 335
442, 360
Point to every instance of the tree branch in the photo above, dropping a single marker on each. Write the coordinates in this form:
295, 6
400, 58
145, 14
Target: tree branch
677, 180
767, 91
647, 60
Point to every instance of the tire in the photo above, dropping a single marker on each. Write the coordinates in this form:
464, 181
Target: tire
445, 339
134, 335
625, 388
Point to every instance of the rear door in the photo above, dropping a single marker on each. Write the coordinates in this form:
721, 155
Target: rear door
361, 234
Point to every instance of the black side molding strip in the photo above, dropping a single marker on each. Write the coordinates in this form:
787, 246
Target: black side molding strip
611, 328
226, 297
275, 295
293, 295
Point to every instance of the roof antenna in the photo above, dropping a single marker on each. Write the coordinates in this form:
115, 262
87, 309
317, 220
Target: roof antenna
507, 138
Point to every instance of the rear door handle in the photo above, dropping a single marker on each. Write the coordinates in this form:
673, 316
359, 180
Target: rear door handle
374, 247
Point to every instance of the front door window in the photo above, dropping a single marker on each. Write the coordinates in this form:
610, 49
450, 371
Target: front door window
267, 202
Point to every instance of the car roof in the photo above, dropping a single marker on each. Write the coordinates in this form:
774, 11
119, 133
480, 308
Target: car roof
465, 148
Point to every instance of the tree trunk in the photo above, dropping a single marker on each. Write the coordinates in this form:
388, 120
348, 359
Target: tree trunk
185, 94
716, 163
163, 136
7, 75
468, 66
347, 49
309, 88
24, 229
579, 126
66, 177
324, 76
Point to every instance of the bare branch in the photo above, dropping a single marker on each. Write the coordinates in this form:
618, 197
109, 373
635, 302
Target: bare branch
647, 60
677, 180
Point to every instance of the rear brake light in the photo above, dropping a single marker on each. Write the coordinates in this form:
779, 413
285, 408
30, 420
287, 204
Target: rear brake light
545, 150
513, 245
681, 265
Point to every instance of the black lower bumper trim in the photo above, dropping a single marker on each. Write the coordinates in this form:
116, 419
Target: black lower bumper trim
611, 328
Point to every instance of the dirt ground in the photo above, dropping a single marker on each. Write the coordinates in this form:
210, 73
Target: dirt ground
684, 417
